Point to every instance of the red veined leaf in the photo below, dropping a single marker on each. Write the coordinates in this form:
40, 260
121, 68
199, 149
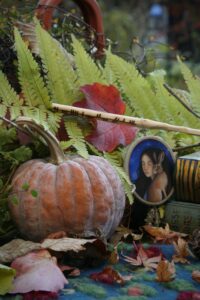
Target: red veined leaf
41, 295
106, 136
110, 276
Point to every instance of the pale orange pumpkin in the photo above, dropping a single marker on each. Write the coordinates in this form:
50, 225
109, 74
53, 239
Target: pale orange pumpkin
79, 196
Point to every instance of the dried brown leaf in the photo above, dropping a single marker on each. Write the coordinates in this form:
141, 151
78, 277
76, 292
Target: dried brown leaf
161, 234
122, 233
165, 271
114, 257
196, 276
66, 244
181, 248
16, 248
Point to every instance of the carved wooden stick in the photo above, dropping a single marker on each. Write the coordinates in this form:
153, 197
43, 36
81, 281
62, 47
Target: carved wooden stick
138, 122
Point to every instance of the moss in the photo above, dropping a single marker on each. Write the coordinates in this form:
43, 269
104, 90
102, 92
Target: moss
86, 286
191, 268
146, 289
128, 298
180, 285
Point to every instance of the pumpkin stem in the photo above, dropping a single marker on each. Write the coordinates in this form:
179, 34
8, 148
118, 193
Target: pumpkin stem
56, 153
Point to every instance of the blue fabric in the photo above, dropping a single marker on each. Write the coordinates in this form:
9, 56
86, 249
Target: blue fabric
160, 290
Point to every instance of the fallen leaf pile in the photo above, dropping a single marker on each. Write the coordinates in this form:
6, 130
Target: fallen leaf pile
36, 271
33, 271
165, 235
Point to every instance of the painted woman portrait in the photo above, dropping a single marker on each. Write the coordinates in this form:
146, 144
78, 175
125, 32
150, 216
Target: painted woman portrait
150, 166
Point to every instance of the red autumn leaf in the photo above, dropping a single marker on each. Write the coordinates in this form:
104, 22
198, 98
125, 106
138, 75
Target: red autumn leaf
106, 136
135, 291
109, 276
188, 295
40, 296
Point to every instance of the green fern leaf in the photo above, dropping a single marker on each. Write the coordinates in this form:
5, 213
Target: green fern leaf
115, 158
87, 71
193, 84
76, 136
136, 88
33, 87
172, 111
3, 110
61, 78
53, 120
15, 112
7, 93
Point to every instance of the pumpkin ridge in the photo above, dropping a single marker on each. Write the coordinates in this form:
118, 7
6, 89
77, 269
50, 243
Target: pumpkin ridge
47, 210
64, 179
28, 172
88, 227
31, 226
96, 174
117, 188
57, 203
82, 202
113, 206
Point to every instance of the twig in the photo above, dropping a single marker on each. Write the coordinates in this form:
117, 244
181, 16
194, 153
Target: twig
186, 147
171, 91
15, 125
138, 122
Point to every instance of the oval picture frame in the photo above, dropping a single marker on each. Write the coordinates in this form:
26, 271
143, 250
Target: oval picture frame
149, 163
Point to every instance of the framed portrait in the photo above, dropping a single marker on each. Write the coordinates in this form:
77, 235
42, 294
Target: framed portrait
150, 162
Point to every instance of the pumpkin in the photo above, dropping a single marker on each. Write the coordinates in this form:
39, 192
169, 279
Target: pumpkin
65, 193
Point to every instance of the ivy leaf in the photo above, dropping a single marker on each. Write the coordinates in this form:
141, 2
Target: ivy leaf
25, 186
34, 193
106, 136
6, 277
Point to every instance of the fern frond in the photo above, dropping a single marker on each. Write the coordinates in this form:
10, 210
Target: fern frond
7, 93
39, 115
61, 78
53, 120
87, 71
32, 84
109, 74
170, 107
136, 88
76, 137
3, 110
193, 84
115, 158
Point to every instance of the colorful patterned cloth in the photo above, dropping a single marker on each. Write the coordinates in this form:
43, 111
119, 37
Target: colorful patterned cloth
86, 289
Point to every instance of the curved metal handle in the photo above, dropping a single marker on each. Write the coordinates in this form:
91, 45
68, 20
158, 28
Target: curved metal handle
91, 13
